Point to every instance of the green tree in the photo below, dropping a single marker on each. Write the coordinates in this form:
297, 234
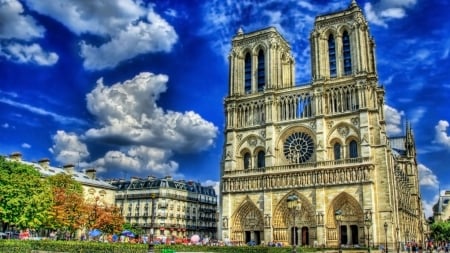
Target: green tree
440, 231
69, 208
25, 197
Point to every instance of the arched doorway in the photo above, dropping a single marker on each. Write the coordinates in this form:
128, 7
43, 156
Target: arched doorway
345, 229
247, 223
285, 226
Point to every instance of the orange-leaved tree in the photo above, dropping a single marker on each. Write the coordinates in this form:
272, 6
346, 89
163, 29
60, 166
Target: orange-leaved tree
69, 207
106, 218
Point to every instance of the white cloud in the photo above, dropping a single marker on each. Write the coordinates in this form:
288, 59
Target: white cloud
128, 116
5, 125
22, 29
128, 113
15, 25
386, 10
441, 136
26, 145
394, 123
68, 148
138, 160
128, 28
22, 53
427, 178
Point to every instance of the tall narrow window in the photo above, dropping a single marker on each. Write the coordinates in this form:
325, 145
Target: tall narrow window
353, 146
337, 151
261, 71
261, 159
332, 55
248, 73
247, 161
346, 53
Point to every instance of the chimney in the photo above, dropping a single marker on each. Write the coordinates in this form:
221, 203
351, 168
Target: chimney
69, 168
44, 163
91, 173
16, 156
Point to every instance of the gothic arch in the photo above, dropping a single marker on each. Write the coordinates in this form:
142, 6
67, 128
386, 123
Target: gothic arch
247, 217
283, 219
251, 143
341, 29
259, 46
352, 214
343, 131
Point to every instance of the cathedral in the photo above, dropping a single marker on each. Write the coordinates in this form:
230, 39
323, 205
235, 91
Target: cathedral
312, 165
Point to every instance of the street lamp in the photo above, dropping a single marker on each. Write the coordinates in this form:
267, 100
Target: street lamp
368, 223
293, 204
338, 215
398, 240
385, 234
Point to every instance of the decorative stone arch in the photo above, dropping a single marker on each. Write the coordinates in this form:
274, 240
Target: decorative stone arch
247, 217
332, 143
344, 27
288, 132
259, 46
283, 219
251, 143
329, 31
352, 215
345, 132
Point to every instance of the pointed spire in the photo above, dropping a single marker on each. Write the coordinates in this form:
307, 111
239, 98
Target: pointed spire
353, 4
240, 31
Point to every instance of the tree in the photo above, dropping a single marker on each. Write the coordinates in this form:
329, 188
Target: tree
103, 217
440, 231
25, 197
69, 208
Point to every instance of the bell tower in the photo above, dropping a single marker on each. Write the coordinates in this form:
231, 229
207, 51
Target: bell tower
259, 61
341, 45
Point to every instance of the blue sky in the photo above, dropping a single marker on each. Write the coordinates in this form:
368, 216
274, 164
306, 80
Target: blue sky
136, 88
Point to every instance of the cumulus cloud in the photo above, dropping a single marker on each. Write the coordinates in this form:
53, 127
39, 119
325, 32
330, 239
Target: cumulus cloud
386, 10
441, 136
427, 178
68, 148
17, 30
127, 28
146, 136
26, 145
394, 120
128, 115
15, 24
139, 160
22, 53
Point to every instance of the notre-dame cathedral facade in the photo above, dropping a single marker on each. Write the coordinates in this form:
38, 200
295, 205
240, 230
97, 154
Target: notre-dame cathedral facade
312, 164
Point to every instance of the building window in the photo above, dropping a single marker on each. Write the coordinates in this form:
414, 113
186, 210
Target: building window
337, 151
261, 159
353, 149
332, 55
248, 73
346, 53
261, 71
247, 158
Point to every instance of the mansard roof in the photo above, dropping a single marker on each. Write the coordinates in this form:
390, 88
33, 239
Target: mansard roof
167, 182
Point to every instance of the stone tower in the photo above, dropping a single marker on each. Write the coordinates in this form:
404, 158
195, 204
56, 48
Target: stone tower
322, 147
